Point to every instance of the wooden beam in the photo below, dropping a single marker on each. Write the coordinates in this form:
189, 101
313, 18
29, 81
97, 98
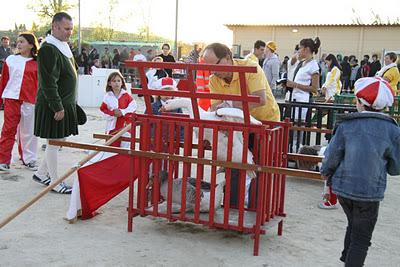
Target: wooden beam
193, 160
309, 158
54, 183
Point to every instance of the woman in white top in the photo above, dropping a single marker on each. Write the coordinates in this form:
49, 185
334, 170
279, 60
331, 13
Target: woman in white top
306, 78
305, 83
332, 85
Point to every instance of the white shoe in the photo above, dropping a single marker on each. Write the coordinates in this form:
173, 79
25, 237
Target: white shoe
63, 188
4, 168
327, 206
31, 165
44, 181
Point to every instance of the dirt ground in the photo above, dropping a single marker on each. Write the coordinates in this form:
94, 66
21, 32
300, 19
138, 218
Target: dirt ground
40, 236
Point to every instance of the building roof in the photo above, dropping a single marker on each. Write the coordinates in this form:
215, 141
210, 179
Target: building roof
312, 25
115, 43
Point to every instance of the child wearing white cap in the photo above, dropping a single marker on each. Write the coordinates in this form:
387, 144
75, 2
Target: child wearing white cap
365, 147
165, 83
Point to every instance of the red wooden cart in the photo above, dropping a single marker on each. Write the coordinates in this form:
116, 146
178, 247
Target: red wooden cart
159, 146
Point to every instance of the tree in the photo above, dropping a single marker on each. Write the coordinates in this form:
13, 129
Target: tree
46, 9
376, 19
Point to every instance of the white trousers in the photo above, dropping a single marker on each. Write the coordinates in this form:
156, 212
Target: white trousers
27, 141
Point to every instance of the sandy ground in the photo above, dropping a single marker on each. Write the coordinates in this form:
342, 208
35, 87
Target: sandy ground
40, 236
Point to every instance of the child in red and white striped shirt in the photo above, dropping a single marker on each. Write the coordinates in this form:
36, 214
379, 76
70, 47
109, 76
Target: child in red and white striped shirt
117, 104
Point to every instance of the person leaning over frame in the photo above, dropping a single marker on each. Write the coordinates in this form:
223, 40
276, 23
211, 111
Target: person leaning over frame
229, 83
56, 114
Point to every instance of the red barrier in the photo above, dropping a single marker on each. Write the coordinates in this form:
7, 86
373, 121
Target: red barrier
159, 137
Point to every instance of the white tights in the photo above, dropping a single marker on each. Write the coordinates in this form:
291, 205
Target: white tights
50, 162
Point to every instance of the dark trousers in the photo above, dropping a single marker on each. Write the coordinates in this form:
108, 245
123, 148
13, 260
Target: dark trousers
361, 217
234, 198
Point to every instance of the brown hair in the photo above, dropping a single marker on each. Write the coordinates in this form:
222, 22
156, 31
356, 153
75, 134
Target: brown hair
31, 39
220, 50
392, 56
111, 77
313, 45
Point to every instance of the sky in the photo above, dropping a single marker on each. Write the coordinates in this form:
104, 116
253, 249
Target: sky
203, 21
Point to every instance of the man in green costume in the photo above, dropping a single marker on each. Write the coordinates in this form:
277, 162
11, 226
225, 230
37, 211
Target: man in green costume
55, 109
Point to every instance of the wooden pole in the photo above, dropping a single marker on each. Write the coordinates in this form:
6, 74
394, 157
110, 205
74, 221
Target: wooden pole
59, 180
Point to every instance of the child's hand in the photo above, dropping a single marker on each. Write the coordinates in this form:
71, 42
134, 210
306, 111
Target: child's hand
326, 197
117, 113
162, 109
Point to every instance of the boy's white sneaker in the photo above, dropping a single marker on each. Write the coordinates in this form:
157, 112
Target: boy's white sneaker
327, 206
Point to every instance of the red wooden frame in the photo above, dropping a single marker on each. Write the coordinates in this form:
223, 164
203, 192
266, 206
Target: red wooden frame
149, 135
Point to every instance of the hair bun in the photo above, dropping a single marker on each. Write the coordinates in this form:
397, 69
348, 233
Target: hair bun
317, 44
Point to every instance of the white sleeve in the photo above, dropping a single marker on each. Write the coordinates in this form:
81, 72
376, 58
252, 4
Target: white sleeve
130, 108
314, 68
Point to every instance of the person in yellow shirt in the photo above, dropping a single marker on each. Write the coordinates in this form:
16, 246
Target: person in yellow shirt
390, 72
228, 83
258, 52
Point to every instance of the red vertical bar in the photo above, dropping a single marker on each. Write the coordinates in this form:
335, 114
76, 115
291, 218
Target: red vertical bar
268, 198
132, 173
171, 128
276, 176
245, 103
279, 164
199, 173
260, 198
284, 152
178, 128
186, 169
228, 179
158, 143
242, 178
144, 170
283, 162
269, 163
213, 176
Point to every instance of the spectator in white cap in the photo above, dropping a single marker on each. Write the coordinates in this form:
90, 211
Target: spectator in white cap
365, 147
165, 83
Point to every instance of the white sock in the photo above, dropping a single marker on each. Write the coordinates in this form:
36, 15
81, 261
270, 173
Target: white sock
50, 162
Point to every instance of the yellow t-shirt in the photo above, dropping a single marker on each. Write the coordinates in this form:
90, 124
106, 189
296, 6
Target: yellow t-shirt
252, 57
255, 82
393, 76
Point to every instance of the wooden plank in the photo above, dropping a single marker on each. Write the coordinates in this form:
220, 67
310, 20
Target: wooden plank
310, 129
309, 158
187, 159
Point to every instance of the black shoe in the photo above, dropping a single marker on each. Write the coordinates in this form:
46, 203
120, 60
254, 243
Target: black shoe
63, 188
45, 181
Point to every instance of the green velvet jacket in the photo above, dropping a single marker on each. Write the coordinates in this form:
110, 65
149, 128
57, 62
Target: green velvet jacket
57, 91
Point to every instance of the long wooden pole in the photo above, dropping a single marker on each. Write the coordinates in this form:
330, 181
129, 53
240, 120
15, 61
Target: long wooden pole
62, 178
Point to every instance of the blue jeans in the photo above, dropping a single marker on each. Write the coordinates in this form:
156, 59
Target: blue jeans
361, 217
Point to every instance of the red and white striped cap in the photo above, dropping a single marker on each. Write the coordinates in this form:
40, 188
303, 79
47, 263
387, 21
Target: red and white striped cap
374, 92
166, 83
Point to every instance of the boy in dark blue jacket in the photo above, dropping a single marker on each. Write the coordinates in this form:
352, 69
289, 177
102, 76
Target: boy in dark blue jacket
364, 149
